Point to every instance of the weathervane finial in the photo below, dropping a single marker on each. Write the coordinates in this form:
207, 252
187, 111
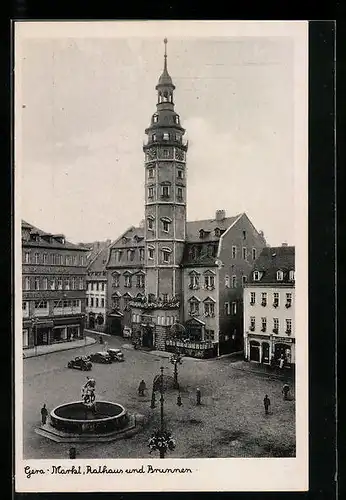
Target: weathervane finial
165, 42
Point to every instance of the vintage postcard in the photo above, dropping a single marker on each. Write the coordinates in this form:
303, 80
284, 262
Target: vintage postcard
161, 332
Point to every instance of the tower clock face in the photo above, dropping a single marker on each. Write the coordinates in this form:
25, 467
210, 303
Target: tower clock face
180, 155
152, 154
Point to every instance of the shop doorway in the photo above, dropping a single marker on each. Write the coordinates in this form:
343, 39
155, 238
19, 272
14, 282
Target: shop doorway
265, 353
91, 320
42, 336
284, 351
254, 351
148, 337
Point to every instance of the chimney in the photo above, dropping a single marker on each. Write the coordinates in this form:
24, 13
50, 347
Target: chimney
284, 244
220, 215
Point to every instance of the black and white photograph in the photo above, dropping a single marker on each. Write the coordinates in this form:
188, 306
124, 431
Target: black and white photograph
161, 256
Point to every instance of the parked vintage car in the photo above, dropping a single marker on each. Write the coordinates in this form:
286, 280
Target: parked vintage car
116, 354
80, 363
100, 357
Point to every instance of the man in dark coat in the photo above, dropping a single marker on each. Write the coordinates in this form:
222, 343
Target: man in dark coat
266, 402
285, 391
141, 388
44, 414
198, 396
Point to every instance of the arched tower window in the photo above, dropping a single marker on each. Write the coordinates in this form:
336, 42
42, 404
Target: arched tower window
155, 118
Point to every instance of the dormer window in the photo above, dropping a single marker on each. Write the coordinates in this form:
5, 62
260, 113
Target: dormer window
201, 233
291, 276
256, 276
217, 232
279, 276
166, 136
155, 118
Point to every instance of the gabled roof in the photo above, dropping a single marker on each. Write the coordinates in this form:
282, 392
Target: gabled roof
208, 225
47, 240
132, 237
271, 260
99, 261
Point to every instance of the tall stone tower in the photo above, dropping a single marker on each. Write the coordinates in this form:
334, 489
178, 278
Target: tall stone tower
165, 194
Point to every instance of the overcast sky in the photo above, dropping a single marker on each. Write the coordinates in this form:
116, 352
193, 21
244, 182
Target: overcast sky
86, 102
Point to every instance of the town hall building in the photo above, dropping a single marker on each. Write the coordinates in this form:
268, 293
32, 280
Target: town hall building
178, 284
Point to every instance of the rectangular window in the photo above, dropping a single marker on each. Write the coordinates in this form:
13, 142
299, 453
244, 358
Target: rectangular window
150, 224
244, 253
194, 281
244, 280
59, 283
27, 257
67, 284
165, 256
279, 276
254, 254
234, 252
264, 299
252, 323
227, 282
128, 281
102, 287
141, 254
37, 283
276, 325
116, 281
140, 281
234, 281
288, 326
179, 193
52, 284
227, 308
37, 257
291, 276
150, 173
24, 306
165, 226
165, 192
150, 253
73, 283
276, 299
194, 307
44, 284
45, 258
209, 282
102, 303
209, 335
81, 284
165, 153
264, 324
96, 302
27, 284
288, 299
91, 301
209, 309
82, 260
166, 136
151, 192
180, 174
41, 304
252, 298
234, 308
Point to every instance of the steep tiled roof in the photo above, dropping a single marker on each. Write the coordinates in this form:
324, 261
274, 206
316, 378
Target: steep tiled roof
271, 260
133, 237
99, 262
43, 240
209, 225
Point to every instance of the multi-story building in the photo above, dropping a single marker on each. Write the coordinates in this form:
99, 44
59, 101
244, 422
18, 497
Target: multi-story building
169, 277
269, 305
53, 286
96, 292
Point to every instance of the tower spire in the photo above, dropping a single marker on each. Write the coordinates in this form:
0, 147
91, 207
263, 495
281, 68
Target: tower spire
165, 60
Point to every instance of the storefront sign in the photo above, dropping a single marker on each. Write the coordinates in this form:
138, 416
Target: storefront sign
284, 340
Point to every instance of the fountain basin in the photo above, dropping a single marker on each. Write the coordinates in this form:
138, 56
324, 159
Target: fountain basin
75, 418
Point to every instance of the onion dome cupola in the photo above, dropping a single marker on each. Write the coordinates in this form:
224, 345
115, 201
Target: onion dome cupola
165, 122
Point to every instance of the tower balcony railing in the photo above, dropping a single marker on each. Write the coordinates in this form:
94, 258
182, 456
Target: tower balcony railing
155, 303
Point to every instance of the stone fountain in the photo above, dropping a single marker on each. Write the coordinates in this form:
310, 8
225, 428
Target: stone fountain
89, 420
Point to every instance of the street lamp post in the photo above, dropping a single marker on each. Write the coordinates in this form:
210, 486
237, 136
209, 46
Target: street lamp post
175, 360
161, 440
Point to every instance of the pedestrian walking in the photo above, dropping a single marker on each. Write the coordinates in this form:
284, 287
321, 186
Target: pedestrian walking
281, 362
266, 402
198, 396
72, 452
141, 388
285, 391
44, 414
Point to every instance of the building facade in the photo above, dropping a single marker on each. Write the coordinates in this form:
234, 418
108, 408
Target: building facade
177, 284
53, 288
96, 289
269, 308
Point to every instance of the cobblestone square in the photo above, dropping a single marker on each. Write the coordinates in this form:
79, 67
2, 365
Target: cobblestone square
230, 422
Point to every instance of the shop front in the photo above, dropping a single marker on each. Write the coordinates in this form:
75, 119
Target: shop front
284, 348
259, 349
